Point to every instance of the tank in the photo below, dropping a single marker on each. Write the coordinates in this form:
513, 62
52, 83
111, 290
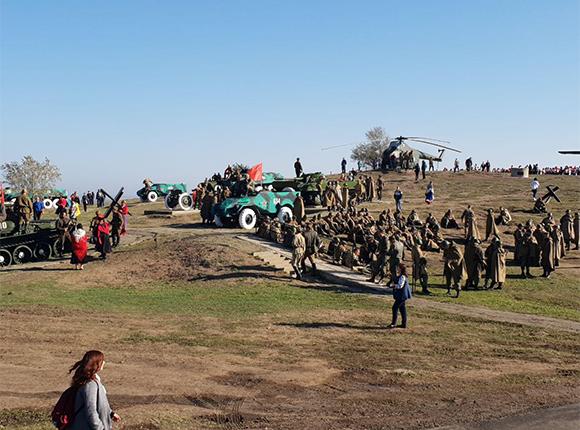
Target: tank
38, 242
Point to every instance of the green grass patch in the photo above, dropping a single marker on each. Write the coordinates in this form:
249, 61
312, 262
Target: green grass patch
200, 299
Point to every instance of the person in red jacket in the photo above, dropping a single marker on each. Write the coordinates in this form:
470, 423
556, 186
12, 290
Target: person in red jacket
79, 245
124, 211
103, 244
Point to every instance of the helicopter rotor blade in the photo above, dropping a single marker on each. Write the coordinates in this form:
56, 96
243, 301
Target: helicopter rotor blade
429, 138
350, 144
436, 144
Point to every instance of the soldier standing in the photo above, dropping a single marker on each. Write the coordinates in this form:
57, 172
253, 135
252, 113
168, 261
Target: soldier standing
62, 225
313, 244
417, 170
547, 247
116, 224
566, 227
343, 166
380, 185
490, 227
423, 168
395, 253
298, 250
577, 230
527, 253
298, 210
454, 266
23, 210
378, 267
298, 168
496, 268
474, 263
469, 223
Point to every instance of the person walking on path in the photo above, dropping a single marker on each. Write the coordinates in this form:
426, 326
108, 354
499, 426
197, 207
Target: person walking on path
398, 196
94, 410
401, 293
79, 246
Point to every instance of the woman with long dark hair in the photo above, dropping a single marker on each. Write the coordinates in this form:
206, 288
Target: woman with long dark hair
92, 408
401, 293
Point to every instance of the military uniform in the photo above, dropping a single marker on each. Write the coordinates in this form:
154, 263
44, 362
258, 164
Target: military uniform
454, 267
312, 246
566, 227
298, 249
474, 263
23, 209
490, 227
496, 264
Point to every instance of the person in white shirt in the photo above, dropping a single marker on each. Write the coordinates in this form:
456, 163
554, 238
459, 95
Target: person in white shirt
535, 188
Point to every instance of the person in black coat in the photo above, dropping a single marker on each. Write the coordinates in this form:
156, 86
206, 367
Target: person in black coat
401, 293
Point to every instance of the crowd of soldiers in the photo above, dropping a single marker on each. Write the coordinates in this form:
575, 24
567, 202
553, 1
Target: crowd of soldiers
355, 239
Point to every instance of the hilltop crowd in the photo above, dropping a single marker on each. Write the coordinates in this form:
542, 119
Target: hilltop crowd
356, 239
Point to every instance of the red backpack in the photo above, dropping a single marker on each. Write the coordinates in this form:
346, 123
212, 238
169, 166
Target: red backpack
64, 411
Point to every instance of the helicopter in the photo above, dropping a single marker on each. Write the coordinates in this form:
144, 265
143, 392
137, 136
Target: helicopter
398, 147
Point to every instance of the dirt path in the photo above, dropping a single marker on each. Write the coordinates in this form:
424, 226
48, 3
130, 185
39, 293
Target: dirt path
355, 282
562, 418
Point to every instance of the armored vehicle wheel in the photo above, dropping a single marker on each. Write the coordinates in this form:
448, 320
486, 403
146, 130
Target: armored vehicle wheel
285, 215
170, 202
42, 251
5, 258
185, 202
152, 196
57, 247
218, 221
47, 204
21, 254
247, 218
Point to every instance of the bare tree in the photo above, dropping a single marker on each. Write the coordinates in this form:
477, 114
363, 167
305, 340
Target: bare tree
37, 177
370, 153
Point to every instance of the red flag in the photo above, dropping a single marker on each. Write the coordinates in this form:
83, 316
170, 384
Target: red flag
255, 173
2, 195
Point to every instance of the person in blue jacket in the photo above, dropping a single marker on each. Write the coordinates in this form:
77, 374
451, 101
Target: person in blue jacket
401, 293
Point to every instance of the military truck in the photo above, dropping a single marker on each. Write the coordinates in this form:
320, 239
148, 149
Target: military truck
245, 211
39, 242
152, 193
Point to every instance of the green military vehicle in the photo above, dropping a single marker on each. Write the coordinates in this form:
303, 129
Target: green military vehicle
155, 191
245, 211
39, 242
308, 186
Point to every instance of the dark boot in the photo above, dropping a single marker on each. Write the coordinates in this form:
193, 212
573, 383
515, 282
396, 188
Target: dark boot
314, 271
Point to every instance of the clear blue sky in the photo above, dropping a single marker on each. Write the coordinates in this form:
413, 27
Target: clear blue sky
114, 91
